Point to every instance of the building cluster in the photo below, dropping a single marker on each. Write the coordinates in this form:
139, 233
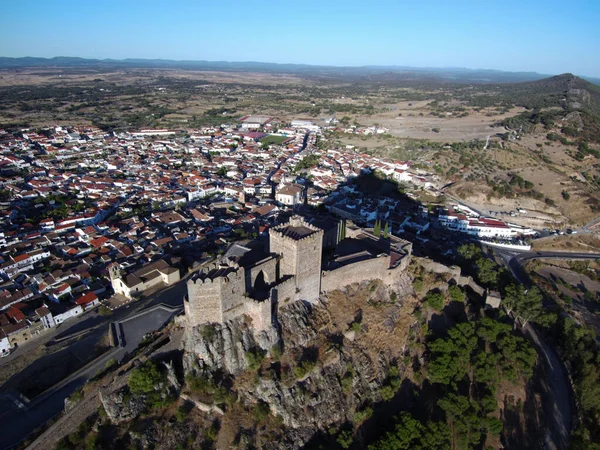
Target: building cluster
86, 214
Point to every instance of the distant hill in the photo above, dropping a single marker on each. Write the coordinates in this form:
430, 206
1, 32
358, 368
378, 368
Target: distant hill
575, 103
567, 91
359, 73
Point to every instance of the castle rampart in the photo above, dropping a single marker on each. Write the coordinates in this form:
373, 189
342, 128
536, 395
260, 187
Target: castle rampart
257, 284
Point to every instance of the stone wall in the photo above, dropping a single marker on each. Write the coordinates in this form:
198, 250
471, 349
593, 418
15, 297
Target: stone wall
203, 303
233, 295
269, 269
285, 292
260, 313
370, 269
308, 267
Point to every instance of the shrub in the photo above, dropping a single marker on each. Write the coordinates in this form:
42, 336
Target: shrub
303, 368
356, 327
76, 396
104, 311
261, 411
565, 195
456, 294
255, 358
276, 352
435, 300
495, 426
181, 414
344, 439
207, 332
145, 378
418, 284
347, 380
365, 414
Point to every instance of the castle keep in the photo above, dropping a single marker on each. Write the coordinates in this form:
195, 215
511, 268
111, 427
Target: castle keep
249, 281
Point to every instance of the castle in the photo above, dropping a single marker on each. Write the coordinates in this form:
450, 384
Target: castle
249, 281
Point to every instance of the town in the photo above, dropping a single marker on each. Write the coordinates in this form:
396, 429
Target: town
95, 219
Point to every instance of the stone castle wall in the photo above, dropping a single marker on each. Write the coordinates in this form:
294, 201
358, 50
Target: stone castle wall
260, 313
370, 269
308, 267
285, 292
269, 269
203, 303
232, 295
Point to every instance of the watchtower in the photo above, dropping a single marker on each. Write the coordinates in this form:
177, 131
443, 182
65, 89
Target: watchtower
300, 245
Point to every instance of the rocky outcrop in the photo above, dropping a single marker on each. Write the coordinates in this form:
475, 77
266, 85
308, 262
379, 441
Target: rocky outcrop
342, 380
224, 346
120, 406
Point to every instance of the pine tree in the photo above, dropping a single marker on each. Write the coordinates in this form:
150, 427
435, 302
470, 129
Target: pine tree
386, 231
377, 228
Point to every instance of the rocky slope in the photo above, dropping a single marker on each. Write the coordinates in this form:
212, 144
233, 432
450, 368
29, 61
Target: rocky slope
334, 360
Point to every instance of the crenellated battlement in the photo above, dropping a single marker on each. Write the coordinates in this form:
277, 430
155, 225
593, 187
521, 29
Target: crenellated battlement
249, 282
296, 230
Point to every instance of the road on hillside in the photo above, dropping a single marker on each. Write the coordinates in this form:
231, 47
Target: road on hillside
558, 401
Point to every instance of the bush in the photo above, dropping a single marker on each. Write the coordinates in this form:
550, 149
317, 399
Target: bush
361, 416
208, 388
347, 380
104, 311
418, 284
207, 332
276, 352
456, 294
303, 368
255, 358
344, 439
145, 378
435, 300
356, 327
76, 396
495, 426
565, 195
181, 414
261, 411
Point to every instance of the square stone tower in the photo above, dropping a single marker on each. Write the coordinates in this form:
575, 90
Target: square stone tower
299, 245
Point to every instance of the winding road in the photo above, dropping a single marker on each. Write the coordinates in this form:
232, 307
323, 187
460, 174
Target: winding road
558, 401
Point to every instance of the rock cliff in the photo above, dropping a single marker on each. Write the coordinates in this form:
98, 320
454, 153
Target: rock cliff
335, 359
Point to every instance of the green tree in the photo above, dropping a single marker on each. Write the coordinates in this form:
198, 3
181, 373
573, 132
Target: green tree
456, 293
435, 300
451, 357
377, 228
145, 378
386, 231
469, 251
462, 415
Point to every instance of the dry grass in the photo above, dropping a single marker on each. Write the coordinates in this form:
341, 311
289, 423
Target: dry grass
577, 243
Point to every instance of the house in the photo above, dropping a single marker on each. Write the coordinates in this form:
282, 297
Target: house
4, 344
290, 195
149, 276
88, 300
46, 317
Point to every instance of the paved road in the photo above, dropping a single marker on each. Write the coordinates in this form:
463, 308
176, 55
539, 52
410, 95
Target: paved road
17, 425
558, 401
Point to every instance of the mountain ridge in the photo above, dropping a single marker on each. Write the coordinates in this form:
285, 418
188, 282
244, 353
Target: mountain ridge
448, 74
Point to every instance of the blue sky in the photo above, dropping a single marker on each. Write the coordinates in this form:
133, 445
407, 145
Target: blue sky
544, 36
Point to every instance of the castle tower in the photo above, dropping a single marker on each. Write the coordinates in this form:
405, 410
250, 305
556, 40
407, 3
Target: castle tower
300, 245
215, 295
